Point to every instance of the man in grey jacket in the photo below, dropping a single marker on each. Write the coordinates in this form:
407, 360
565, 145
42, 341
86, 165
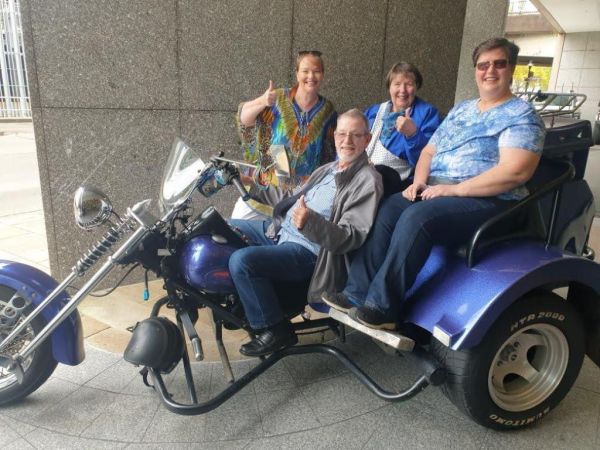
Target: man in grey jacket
309, 237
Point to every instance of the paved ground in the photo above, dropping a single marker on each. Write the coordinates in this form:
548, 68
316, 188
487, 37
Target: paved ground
303, 402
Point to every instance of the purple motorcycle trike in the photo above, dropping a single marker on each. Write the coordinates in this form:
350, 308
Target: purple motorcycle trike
501, 325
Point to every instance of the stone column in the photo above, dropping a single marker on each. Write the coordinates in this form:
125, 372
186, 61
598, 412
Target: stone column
484, 19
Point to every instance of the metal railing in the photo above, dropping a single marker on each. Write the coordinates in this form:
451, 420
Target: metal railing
14, 88
550, 105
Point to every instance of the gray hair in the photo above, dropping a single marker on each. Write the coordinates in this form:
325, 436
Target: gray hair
355, 113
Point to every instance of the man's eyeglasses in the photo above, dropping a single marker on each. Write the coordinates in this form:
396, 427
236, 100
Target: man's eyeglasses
497, 63
316, 53
344, 135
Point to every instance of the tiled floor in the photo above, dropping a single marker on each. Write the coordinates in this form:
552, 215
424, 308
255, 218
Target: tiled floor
302, 402
23, 239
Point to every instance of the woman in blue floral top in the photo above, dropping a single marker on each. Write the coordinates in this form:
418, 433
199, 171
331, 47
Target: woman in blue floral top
474, 166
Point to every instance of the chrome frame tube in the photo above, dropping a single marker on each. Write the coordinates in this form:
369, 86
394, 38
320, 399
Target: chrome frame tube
133, 240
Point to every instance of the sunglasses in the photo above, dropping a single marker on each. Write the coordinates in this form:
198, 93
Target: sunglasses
497, 63
316, 53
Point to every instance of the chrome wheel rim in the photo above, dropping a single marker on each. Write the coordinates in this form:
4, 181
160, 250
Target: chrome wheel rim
528, 367
7, 378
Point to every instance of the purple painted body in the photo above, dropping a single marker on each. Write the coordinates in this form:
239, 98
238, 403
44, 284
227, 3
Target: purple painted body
205, 265
464, 302
35, 285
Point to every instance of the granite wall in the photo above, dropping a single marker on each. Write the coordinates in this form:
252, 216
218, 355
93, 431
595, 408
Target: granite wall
114, 81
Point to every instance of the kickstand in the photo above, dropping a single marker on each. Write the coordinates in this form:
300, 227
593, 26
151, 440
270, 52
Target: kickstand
218, 325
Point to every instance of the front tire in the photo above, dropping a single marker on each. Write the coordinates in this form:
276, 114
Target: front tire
523, 367
37, 367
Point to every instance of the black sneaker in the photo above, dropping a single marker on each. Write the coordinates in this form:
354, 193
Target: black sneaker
337, 300
372, 318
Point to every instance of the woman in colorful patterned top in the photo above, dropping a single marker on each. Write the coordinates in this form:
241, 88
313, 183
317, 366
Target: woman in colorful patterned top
298, 118
474, 166
401, 126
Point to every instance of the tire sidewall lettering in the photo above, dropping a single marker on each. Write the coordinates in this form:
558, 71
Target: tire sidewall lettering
519, 422
549, 316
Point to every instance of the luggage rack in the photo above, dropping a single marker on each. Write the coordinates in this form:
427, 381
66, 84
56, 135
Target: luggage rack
550, 105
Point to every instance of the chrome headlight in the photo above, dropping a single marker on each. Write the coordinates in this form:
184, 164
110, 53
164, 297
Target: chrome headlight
91, 207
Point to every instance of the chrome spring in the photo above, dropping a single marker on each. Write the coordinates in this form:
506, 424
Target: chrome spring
113, 235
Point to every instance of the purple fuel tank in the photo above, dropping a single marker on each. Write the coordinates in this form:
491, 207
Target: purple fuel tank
204, 261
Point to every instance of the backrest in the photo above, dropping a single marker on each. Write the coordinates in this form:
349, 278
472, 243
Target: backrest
568, 142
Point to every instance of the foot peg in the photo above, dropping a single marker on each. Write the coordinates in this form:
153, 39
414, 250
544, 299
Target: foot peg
391, 338
189, 328
197, 348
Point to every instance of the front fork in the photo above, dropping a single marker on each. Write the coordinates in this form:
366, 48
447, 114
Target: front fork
13, 363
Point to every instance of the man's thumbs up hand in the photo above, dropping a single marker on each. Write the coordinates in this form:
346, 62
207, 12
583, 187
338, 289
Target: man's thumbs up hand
300, 213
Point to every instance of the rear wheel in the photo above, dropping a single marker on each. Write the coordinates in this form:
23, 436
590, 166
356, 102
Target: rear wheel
39, 365
523, 367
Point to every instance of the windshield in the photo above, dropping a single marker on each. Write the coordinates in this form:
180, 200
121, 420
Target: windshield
180, 175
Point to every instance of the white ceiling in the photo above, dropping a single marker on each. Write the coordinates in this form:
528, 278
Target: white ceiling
573, 16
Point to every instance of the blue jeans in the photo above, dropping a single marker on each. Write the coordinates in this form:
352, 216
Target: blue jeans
256, 268
386, 266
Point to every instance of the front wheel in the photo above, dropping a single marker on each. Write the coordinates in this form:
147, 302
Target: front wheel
38, 366
523, 367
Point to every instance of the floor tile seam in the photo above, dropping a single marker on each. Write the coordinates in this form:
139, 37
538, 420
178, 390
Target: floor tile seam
13, 429
324, 425
456, 415
104, 370
582, 388
25, 236
99, 331
80, 435
21, 227
485, 439
324, 379
368, 439
27, 421
24, 437
156, 409
13, 227
260, 415
53, 431
597, 440
289, 374
2, 218
312, 410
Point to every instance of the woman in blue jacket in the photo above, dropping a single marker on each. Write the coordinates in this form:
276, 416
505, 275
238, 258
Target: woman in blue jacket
400, 127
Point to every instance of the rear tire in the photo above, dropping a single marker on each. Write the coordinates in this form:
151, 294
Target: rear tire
38, 367
523, 367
